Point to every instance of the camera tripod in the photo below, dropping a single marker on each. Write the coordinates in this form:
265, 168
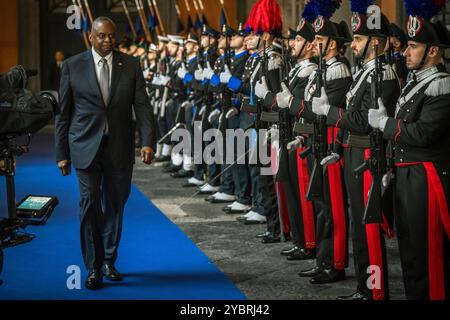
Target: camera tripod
9, 236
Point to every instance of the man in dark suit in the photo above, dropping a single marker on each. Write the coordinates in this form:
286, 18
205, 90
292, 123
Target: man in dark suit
94, 132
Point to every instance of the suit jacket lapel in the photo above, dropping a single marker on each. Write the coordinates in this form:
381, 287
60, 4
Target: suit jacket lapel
117, 65
92, 75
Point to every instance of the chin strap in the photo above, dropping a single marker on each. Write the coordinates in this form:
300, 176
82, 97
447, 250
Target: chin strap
366, 48
259, 43
327, 45
424, 58
301, 51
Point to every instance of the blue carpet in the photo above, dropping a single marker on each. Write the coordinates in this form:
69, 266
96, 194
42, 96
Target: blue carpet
157, 258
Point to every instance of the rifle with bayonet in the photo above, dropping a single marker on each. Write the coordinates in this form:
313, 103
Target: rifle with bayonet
249, 106
164, 98
157, 97
319, 147
207, 98
376, 163
225, 92
180, 119
260, 123
284, 123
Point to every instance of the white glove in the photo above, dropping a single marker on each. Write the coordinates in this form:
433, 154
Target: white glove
387, 178
378, 117
261, 89
332, 158
156, 81
181, 73
321, 106
187, 105
284, 97
164, 80
208, 72
231, 113
272, 133
169, 102
198, 74
213, 116
225, 76
202, 111
296, 143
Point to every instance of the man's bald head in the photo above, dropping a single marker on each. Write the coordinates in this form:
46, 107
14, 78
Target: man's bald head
102, 20
103, 35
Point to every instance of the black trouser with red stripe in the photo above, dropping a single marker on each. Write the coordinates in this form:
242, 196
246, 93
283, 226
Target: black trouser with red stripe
412, 221
332, 249
292, 194
353, 158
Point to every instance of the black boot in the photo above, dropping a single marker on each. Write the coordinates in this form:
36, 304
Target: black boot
302, 254
310, 272
328, 276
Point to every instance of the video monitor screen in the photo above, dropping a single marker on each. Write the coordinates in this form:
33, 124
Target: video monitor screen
34, 203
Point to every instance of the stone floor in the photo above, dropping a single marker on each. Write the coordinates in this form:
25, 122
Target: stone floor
258, 270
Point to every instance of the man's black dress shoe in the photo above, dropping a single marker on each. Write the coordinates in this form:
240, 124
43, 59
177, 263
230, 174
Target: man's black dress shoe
270, 239
228, 210
214, 200
328, 276
189, 185
172, 169
356, 296
182, 174
302, 254
162, 159
310, 272
94, 280
167, 164
288, 251
253, 222
263, 235
200, 191
111, 273
240, 218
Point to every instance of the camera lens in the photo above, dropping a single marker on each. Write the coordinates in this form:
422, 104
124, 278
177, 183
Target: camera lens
50, 96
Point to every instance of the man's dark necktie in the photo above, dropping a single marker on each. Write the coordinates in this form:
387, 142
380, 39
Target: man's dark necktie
104, 80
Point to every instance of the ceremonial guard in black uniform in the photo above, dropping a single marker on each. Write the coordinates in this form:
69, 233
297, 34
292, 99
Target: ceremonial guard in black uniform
185, 73
218, 117
239, 170
326, 190
170, 96
421, 139
162, 149
214, 61
264, 62
292, 170
368, 241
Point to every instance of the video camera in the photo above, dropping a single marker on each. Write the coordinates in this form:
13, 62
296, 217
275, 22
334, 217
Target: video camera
21, 110
22, 113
